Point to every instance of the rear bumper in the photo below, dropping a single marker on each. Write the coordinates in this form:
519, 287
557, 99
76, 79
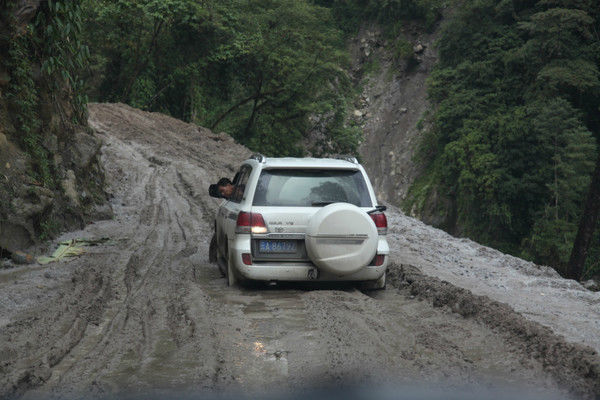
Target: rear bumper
300, 271
304, 272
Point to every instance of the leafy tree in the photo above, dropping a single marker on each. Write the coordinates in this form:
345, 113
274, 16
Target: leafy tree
257, 69
565, 32
571, 149
350, 14
512, 145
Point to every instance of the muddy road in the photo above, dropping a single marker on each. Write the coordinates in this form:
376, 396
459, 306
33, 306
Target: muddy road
147, 313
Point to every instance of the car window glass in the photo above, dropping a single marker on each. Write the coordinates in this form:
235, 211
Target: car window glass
236, 178
240, 186
281, 187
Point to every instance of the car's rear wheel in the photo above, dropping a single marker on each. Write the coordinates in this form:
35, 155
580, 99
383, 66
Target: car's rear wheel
221, 262
212, 249
231, 278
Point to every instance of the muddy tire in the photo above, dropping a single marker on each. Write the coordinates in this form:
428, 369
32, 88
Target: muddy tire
378, 284
212, 249
233, 278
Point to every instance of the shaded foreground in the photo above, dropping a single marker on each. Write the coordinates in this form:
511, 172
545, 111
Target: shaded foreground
149, 314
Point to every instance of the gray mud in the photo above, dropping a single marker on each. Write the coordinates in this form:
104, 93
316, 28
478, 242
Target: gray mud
148, 314
570, 364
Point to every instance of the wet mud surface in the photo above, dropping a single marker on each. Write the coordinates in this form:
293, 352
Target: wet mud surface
149, 314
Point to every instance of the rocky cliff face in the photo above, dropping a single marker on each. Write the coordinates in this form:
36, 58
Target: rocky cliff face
392, 104
49, 175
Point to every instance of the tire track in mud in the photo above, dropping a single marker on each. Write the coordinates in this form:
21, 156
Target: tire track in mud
403, 340
164, 318
81, 304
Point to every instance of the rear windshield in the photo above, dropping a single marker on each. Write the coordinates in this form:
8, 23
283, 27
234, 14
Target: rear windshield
310, 187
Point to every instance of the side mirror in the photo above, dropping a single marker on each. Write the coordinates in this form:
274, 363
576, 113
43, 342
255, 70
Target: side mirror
213, 191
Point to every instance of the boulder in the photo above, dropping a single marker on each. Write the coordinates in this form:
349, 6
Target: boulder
14, 236
69, 186
50, 143
103, 212
83, 149
418, 48
36, 202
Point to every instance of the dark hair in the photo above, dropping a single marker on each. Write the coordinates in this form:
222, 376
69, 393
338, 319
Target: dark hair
213, 191
224, 182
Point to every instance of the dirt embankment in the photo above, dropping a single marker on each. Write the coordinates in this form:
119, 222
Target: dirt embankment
570, 364
146, 313
50, 178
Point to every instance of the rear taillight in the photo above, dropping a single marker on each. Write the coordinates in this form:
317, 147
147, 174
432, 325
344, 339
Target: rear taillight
247, 258
250, 223
378, 260
380, 222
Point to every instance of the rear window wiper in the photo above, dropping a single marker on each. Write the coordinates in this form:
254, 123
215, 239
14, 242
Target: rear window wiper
322, 203
377, 209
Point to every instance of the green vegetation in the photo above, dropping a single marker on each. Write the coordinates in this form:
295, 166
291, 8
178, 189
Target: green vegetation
391, 14
53, 42
516, 125
49, 228
256, 69
22, 95
63, 53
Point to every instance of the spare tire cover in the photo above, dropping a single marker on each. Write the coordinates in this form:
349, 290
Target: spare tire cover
341, 238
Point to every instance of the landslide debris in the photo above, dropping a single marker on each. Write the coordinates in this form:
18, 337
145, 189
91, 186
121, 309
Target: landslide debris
392, 103
571, 364
149, 314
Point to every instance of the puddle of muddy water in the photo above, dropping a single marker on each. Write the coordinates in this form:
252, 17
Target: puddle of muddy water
275, 338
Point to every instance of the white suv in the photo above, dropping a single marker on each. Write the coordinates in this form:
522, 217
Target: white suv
302, 219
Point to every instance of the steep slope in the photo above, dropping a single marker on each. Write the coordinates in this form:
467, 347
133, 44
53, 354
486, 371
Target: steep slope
393, 101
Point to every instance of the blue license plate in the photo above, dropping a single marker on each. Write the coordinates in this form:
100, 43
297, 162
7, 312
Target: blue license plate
277, 246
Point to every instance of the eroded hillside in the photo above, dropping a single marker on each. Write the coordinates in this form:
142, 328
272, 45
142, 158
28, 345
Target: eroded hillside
392, 104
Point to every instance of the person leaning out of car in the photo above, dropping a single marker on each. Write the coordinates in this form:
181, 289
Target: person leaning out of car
226, 189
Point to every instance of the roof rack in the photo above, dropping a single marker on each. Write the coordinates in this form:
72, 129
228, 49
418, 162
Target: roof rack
348, 158
258, 157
